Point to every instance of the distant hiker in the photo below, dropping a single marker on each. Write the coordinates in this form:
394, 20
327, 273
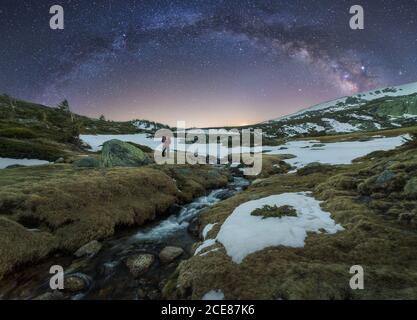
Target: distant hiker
167, 145
166, 142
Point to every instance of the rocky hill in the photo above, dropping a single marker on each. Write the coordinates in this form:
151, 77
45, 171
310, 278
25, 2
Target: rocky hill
385, 108
34, 131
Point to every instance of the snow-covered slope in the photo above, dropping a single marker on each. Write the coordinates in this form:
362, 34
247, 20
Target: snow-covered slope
147, 125
357, 100
374, 110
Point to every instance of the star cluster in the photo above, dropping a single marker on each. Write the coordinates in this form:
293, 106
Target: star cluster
206, 62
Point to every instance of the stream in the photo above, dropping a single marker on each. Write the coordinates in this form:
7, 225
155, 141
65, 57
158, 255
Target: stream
105, 275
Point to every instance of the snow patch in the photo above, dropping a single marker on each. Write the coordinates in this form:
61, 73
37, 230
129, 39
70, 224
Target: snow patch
144, 125
207, 243
339, 126
242, 233
207, 229
213, 295
5, 162
96, 141
333, 153
293, 130
202, 149
362, 117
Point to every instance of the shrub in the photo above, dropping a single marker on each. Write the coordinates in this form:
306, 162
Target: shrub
19, 149
17, 133
275, 212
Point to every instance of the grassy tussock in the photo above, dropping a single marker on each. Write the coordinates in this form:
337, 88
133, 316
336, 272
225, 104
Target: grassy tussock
19, 246
274, 212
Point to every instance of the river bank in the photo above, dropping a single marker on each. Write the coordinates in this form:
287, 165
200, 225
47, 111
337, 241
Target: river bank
108, 274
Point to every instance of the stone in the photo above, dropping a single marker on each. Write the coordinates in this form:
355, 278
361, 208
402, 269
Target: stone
141, 294
76, 282
51, 295
170, 253
88, 250
140, 263
116, 153
154, 295
86, 162
60, 160
384, 177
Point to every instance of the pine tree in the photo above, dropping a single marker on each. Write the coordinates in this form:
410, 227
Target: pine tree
64, 106
12, 104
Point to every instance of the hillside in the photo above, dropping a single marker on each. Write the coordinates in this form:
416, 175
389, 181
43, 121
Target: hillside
34, 131
375, 110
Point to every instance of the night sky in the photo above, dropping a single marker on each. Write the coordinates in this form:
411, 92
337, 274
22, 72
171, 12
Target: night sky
206, 62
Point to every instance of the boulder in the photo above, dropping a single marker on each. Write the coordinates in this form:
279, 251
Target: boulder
116, 153
60, 160
386, 176
169, 254
88, 250
140, 263
86, 162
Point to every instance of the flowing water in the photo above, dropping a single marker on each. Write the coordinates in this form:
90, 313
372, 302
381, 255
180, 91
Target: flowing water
106, 274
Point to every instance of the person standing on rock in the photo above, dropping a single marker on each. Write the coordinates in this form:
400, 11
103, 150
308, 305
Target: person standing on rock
166, 142
167, 145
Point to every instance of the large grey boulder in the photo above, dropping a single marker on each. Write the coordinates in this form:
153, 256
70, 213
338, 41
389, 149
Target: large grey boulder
116, 153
